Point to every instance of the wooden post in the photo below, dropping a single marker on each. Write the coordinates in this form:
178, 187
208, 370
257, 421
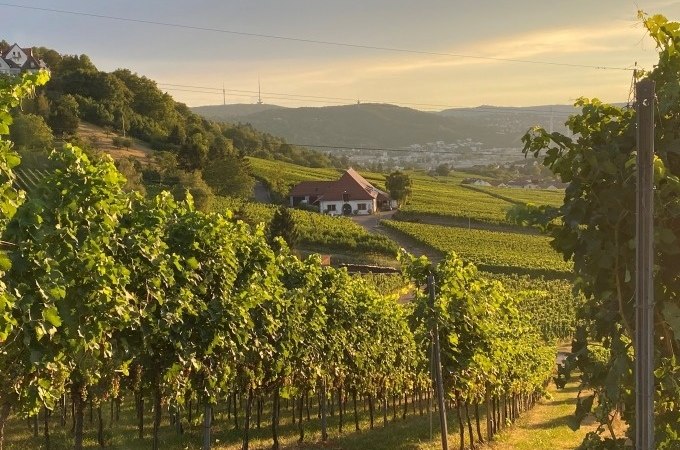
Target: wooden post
644, 289
438, 368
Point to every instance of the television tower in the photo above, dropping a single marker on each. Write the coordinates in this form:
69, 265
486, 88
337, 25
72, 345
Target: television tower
259, 91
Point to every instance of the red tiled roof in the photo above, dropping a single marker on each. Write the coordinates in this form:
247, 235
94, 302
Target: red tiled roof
304, 188
350, 183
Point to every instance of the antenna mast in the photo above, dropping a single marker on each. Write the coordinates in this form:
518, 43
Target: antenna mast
259, 91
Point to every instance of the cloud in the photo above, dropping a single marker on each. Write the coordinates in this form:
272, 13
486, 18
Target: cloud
448, 80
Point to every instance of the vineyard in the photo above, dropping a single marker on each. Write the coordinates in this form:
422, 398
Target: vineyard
438, 196
550, 303
319, 233
289, 173
28, 179
523, 196
493, 251
112, 300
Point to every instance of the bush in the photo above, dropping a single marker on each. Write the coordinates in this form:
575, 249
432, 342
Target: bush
119, 142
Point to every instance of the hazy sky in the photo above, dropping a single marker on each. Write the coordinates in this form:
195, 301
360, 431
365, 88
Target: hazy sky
590, 32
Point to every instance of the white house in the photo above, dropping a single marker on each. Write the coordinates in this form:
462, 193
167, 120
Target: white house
351, 194
16, 60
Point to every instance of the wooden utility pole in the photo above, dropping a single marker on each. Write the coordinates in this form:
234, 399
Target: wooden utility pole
644, 289
439, 382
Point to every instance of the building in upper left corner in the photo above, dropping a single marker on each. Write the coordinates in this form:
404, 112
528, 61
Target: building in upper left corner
16, 60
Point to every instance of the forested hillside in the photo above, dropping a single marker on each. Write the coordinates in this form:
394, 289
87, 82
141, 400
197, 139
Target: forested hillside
365, 125
190, 152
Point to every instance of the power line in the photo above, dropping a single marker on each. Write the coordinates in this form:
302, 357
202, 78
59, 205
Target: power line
255, 92
314, 41
379, 149
250, 96
216, 91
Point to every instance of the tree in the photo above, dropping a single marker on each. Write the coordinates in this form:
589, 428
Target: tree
63, 118
30, 132
178, 135
193, 184
132, 171
595, 227
399, 184
193, 154
229, 175
283, 225
442, 170
220, 148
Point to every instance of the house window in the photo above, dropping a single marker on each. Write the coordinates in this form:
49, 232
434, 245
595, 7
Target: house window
345, 197
361, 206
331, 208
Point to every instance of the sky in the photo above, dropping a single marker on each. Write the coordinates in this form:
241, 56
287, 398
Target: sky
296, 73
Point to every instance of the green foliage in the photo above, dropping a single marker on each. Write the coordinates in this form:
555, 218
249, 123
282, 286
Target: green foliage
283, 225
494, 251
12, 91
65, 268
63, 118
549, 304
399, 185
596, 229
530, 215
119, 141
30, 132
488, 347
191, 184
229, 175
443, 170
317, 232
132, 172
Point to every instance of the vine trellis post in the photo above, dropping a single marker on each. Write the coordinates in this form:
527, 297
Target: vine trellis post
438, 366
644, 288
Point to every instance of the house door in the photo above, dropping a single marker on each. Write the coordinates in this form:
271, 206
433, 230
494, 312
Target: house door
347, 209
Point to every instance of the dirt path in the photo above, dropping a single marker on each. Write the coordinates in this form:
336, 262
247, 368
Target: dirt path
372, 224
261, 193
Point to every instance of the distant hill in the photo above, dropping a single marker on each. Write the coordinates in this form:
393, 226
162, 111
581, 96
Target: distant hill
384, 125
512, 120
366, 125
231, 113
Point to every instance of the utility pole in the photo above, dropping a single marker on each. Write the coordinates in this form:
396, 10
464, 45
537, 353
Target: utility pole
644, 288
122, 114
438, 367
224, 96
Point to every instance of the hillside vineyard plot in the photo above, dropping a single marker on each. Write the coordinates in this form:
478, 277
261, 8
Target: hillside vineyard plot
446, 198
317, 232
289, 173
491, 250
440, 196
535, 196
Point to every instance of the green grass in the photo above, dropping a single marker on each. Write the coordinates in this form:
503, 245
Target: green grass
493, 251
550, 425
